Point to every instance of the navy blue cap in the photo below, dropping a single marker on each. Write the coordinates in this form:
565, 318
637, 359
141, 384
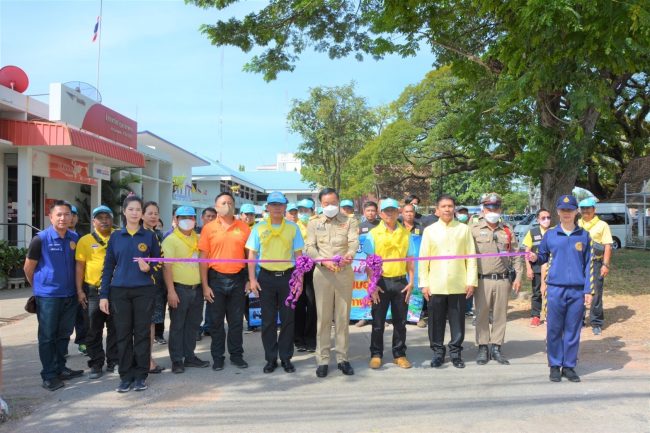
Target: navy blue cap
567, 202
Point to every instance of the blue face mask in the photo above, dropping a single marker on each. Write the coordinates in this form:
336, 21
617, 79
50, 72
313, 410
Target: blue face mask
304, 217
463, 218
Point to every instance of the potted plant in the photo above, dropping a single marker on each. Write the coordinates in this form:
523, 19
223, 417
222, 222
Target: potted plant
12, 260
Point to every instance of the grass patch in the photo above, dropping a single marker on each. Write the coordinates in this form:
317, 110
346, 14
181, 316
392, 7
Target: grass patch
630, 273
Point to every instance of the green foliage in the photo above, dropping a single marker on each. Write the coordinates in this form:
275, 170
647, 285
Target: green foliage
12, 259
541, 84
334, 125
115, 191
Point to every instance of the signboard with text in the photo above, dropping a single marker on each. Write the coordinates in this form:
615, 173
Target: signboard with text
69, 106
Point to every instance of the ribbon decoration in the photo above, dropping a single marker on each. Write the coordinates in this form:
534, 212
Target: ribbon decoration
303, 264
374, 264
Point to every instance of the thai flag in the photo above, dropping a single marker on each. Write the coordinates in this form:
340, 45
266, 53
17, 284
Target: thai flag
96, 31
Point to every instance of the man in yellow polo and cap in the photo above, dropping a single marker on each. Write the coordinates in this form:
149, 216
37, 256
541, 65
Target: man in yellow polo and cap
601, 238
390, 240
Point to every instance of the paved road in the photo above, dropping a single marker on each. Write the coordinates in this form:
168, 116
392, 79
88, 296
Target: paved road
614, 394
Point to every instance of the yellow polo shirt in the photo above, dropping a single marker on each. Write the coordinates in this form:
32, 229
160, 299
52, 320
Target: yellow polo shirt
276, 242
447, 277
179, 246
598, 230
92, 253
397, 244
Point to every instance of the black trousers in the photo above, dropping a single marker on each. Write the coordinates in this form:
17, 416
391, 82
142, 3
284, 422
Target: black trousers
596, 313
132, 308
97, 320
392, 296
229, 300
441, 309
306, 316
536, 297
185, 322
275, 289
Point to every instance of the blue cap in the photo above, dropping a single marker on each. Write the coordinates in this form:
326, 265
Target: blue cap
389, 202
247, 208
588, 202
185, 211
74, 209
292, 206
276, 197
567, 202
102, 209
347, 203
306, 203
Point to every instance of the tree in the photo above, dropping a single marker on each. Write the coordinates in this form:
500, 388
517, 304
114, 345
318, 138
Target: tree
556, 59
334, 125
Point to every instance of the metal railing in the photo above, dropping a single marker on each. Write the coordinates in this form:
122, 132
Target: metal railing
9, 232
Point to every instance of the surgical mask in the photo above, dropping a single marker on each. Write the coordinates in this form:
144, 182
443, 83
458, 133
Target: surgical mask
304, 217
492, 217
225, 210
330, 211
545, 223
416, 208
463, 218
186, 224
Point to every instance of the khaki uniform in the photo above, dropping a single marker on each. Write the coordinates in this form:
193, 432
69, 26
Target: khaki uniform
327, 238
493, 283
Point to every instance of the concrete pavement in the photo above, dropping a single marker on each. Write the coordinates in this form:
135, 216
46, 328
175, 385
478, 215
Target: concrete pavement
612, 397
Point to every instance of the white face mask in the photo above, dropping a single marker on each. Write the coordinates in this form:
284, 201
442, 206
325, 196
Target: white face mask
330, 211
545, 223
492, 217
186, 224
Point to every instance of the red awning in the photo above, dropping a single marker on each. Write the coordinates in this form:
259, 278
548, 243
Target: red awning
22, 133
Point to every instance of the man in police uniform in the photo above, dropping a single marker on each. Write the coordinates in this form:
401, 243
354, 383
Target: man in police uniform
534, 270
601, 238
329, 235
491, 235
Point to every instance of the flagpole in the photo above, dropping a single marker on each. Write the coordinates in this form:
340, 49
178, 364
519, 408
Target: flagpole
99, 42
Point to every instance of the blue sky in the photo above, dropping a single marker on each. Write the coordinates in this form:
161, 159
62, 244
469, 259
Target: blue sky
158, 69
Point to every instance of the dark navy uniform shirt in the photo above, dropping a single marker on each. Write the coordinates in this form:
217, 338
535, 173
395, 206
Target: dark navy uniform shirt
55, 272
569, 257
119, 268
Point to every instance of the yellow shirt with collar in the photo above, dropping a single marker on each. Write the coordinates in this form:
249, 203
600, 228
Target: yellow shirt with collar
598, 230
447, 277
186, 247
92, 253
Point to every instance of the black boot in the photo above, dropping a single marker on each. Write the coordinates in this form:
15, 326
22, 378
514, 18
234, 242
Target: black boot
497, 356
483, 357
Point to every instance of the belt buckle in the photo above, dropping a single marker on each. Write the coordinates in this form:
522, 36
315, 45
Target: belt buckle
278, 273
494, 276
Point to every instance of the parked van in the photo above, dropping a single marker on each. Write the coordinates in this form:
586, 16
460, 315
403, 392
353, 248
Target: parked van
613, 214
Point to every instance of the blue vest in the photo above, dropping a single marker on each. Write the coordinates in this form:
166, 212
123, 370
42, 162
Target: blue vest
54, 276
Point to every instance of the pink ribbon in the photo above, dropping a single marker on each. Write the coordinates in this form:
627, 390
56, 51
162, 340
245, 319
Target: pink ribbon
374, 264
304, 264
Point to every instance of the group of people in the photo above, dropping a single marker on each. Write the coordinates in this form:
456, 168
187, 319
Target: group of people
123, 277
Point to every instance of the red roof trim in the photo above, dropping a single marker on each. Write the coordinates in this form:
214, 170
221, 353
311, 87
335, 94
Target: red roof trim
22, 133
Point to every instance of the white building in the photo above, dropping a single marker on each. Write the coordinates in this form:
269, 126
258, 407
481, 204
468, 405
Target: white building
283, 162
247, 187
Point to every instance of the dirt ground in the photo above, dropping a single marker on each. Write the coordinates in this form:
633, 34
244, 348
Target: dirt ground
625, 339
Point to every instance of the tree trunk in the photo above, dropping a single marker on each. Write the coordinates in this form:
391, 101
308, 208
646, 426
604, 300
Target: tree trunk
556, 181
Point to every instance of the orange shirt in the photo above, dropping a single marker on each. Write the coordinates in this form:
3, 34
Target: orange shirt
216, 242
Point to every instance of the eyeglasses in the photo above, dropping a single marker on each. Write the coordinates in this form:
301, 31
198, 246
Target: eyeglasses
545, 218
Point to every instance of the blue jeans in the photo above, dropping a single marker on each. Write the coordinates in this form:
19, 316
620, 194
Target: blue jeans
56, 317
